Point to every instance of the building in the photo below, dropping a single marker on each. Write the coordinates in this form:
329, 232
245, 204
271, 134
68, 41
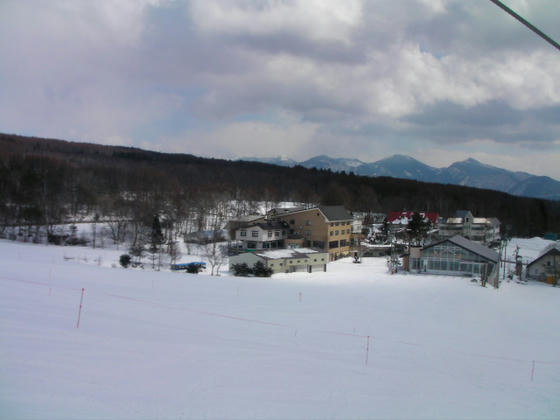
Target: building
235, 223
262, 235
285, 260
479, 229
328, 228
546, 267
456, 256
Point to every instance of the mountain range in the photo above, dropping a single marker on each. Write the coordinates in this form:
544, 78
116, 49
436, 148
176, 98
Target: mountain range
469, 172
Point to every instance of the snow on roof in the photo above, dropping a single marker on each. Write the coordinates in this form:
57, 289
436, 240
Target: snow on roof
402, 215
469, 245
286, 253
454, 220
552, 248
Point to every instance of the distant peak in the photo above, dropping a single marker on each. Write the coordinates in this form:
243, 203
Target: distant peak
473, 161
398, 157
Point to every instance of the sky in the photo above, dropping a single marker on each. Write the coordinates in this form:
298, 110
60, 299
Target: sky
438, 80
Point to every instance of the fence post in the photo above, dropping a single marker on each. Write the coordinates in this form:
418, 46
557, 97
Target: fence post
80, 310
367, 350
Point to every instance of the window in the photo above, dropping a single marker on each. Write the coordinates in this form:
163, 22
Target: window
331, 233
243, 233
333, 244
336, 224
308, 223
292, 221
308, 233
254, 234
270, 234
277, 234
336, 232
343, 242
332, 224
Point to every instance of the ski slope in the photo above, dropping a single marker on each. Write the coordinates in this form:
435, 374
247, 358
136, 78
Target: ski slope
178, 346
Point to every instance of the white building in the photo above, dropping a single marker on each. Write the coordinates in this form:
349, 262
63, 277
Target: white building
265, 235
479, 229
285, 260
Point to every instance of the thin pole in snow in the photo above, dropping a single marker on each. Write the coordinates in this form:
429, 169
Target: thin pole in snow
533, 371
367, 350
80, 310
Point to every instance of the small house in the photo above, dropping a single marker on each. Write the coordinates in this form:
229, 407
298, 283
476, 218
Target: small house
285, 260
546, 267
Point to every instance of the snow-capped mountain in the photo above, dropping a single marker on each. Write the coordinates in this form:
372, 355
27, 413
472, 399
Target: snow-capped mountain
469, 172
400, 166
334, 164
278, 160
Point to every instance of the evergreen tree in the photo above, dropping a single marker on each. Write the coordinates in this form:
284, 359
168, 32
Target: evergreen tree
417, 229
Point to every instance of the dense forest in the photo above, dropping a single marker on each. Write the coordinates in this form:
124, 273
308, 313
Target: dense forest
44, 182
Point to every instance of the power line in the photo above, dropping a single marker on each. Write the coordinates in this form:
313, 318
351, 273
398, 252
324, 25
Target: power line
527, 23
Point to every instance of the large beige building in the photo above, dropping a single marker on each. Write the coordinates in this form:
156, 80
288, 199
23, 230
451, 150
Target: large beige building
328, 228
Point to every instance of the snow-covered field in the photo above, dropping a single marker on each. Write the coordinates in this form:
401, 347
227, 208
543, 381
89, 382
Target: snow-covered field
176, 346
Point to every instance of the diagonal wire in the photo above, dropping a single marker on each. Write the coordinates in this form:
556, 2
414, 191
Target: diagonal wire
527, 23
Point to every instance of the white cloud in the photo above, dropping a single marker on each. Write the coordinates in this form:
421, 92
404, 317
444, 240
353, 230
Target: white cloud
344, 70
316, 19
246, 138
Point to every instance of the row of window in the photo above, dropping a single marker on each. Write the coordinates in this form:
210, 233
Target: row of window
255, 233
342, 232
298, 261
338, 244
341, 223
444, 265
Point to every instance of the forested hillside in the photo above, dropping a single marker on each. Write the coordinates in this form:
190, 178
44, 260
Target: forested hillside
44, 182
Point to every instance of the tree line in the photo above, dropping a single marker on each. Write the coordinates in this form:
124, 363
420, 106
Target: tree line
45, 182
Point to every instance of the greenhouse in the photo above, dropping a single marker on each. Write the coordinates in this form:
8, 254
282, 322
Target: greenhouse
455, 256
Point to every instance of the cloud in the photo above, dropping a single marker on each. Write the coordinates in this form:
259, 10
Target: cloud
356, 78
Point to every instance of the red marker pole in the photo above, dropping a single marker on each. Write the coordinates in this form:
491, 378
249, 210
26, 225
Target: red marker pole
80, 310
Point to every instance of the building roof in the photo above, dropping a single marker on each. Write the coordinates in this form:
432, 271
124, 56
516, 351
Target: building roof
462, 213
407, 216
471, 246
333, 213
287, 253
271, 225
285, 210
552, 249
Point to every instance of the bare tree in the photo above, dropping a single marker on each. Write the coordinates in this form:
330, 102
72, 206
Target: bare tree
173, 251
216, 254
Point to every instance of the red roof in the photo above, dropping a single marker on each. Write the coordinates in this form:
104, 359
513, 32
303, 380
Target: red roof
394, 215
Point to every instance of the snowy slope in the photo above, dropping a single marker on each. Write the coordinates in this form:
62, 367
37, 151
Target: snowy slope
172, 345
